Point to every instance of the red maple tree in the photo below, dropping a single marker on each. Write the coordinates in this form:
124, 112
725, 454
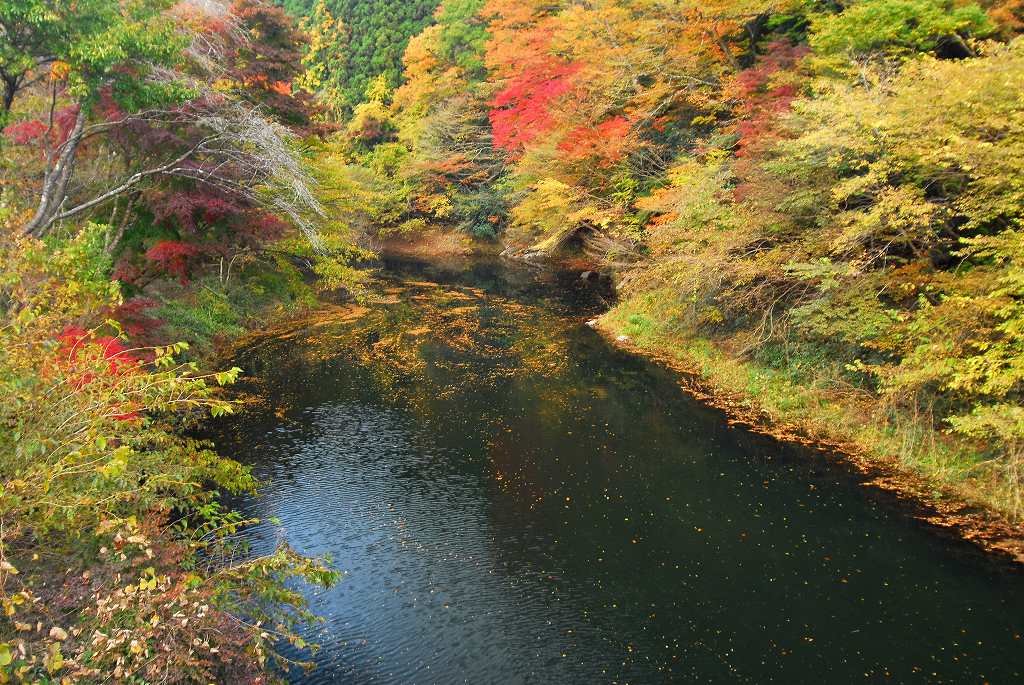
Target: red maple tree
522, 110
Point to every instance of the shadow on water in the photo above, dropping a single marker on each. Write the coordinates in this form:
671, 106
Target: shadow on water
515, 501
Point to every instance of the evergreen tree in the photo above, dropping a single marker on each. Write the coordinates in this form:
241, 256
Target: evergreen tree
377, 32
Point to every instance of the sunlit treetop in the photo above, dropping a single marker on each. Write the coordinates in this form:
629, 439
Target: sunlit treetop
899, 27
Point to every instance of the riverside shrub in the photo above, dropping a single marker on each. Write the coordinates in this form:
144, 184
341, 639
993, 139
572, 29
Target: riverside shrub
116, 560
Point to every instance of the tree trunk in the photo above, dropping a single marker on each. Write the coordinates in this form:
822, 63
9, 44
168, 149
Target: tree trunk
56, 179
755, 29
10, 90
114, 238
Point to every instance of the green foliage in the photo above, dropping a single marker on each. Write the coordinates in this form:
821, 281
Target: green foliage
896, 27
479, 212
218, 308
985, 371
325, 59
376, 33
87, 42
370, 124
463, 36
203, 317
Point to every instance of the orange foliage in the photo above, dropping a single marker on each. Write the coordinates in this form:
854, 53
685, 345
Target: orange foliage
605, 142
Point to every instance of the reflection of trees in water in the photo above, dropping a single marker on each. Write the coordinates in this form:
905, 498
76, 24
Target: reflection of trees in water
431, 350
412, 349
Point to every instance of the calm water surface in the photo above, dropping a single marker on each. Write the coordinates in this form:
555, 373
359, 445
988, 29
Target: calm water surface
514, 501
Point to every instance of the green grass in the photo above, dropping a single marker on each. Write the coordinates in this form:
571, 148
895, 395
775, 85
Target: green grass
201, 318
209, 311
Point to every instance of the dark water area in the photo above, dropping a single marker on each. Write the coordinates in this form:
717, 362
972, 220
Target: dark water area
513, 500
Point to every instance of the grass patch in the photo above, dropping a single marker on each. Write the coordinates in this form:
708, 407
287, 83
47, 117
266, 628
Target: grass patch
209, 310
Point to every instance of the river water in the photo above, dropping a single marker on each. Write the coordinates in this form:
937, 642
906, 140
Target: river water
513, 500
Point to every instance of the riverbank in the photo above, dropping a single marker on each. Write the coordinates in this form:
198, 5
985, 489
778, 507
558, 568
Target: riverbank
934, 475
938, 477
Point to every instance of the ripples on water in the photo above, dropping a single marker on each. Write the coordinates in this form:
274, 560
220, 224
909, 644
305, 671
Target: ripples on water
515, 502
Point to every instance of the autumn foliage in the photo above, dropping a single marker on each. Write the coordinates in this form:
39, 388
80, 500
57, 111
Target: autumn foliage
522, 111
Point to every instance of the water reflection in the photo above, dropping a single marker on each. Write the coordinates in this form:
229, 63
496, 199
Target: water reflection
515, 502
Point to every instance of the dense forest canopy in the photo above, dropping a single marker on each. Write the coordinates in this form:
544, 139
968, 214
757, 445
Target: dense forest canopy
371, 39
